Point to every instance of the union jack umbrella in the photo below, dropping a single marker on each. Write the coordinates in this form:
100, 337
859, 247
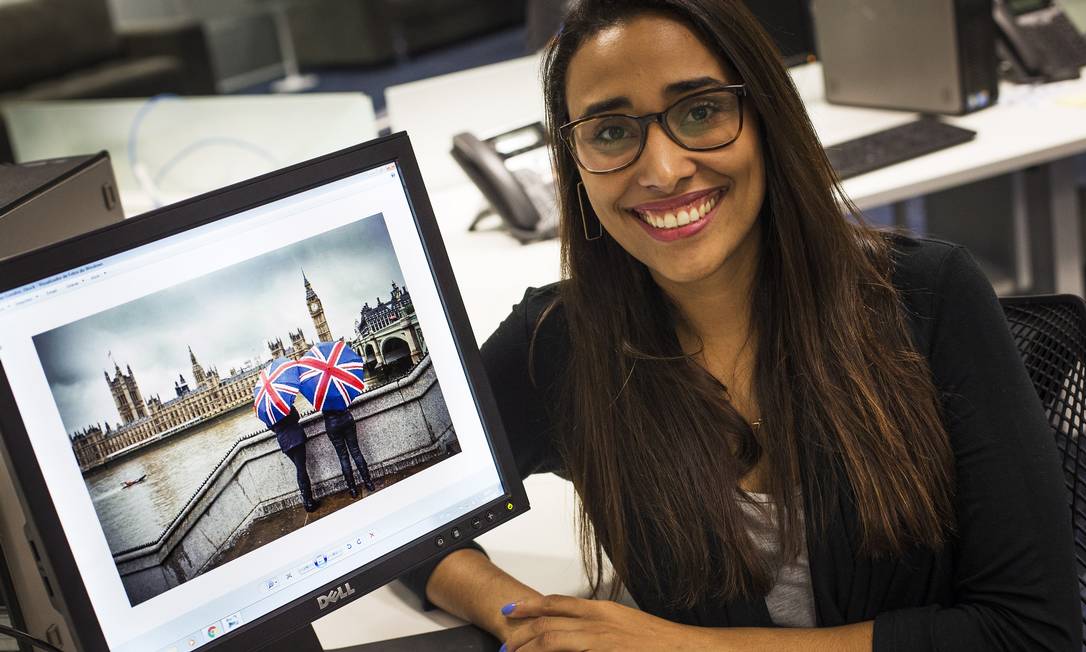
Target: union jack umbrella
331, 375
275, 390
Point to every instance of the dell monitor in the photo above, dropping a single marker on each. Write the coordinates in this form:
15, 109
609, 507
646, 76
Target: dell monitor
149, 371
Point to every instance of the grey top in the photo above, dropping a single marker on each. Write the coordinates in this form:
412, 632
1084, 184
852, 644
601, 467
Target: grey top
791, 600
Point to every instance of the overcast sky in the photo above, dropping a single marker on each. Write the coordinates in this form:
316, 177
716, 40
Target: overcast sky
226, 317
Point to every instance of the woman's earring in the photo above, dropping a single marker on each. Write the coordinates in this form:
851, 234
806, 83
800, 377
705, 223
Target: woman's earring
584, 219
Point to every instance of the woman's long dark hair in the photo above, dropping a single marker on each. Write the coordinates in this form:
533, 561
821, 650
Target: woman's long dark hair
654, 447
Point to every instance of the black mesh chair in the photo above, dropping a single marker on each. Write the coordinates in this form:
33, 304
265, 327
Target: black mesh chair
1050, 332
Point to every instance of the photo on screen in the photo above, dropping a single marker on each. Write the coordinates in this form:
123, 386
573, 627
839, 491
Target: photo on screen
193, 411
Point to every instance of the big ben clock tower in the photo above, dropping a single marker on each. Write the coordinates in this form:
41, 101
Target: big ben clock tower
316, 311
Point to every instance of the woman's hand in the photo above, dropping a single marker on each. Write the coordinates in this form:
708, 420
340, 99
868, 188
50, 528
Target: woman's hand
559, 623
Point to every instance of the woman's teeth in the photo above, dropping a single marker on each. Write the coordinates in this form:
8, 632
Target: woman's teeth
682, 217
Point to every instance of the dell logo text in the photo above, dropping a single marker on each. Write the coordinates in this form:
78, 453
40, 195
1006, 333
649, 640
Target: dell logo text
335, 595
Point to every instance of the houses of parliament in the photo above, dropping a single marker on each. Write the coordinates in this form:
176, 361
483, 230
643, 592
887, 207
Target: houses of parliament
211, 394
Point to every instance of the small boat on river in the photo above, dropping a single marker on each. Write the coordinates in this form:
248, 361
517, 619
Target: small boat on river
128, 483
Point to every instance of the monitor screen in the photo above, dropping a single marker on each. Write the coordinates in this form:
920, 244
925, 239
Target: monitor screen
155, 389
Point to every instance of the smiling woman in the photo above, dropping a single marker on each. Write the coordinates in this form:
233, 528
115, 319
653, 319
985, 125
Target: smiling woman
786, 430
687, 164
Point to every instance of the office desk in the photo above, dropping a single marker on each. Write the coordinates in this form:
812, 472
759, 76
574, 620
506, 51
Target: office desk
1032, 132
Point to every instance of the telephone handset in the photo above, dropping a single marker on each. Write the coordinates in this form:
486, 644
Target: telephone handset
513, 173
1037, 42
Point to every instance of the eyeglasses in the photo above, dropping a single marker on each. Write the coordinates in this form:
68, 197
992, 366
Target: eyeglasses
703, 121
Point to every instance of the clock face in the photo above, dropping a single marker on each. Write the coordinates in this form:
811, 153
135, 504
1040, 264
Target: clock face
314, 307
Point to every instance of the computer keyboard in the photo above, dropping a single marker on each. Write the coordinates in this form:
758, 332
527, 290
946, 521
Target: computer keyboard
883, 148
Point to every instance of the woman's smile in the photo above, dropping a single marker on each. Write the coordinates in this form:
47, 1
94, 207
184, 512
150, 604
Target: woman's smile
678, 217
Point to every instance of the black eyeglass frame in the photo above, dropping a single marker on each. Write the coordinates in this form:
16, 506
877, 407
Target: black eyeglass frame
643, 121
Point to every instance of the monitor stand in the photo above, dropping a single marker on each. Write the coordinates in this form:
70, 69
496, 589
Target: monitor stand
303, 640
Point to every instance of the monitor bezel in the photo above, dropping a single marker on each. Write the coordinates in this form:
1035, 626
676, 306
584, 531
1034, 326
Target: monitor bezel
66, 582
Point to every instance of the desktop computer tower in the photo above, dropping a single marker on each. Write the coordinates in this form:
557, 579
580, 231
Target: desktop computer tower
931, 56
28, 590
43, 202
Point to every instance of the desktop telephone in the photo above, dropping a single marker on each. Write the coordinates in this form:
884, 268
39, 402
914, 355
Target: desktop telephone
1037, 42
513, 172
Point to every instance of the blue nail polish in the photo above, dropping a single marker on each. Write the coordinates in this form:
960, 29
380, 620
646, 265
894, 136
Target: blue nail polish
502, 648
508, 609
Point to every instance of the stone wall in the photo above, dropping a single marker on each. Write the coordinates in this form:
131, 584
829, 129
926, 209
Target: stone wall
399, 425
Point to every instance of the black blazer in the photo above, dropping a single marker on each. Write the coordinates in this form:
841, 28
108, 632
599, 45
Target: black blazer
1005, 582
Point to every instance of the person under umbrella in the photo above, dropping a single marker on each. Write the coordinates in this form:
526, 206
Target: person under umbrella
273, 401
331, 377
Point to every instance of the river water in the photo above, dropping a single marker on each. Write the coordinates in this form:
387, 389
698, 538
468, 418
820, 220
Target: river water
175, 469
